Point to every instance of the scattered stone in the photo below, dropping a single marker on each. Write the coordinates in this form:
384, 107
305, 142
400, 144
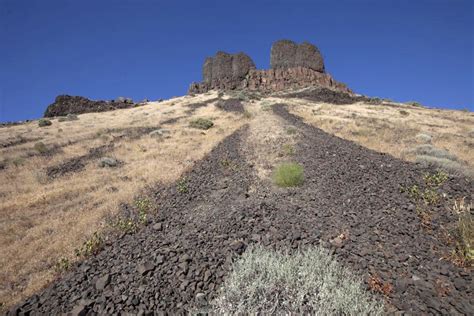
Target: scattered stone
108, 162
158, 226
145, 267
102, 282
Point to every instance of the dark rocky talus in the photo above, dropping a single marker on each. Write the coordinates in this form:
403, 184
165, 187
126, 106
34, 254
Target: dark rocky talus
66, 104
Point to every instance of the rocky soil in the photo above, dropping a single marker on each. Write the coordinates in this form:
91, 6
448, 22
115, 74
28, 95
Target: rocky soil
220, 207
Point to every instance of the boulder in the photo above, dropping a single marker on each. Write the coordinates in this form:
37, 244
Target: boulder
287, 54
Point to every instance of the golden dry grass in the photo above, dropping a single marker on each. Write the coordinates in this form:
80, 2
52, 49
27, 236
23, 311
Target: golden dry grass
43, 220
394, 128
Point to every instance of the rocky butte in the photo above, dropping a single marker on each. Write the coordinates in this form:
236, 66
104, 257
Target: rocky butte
292, 66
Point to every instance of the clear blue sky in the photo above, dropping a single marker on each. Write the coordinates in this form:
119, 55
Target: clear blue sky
404, 50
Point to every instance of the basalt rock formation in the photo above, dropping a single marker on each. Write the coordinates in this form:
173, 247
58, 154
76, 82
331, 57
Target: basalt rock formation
66, 104
223, 71
292, 66
287, 54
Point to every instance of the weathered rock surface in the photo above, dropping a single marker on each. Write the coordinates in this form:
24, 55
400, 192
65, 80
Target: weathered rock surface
223, 71
290, 78
287, 54
66, 104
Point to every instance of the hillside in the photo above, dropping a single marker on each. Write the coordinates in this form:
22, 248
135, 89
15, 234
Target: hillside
178, 206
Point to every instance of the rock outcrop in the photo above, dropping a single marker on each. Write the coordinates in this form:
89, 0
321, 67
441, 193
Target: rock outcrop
223, 71
292, 66
290, 78
287, 54
66, 104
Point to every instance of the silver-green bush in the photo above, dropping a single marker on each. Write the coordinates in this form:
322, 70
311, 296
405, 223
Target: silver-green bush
453, 167
309, 281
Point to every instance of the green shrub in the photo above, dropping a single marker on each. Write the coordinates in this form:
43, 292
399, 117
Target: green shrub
41, 148
288, 175
44, 122
201, 123
306, 282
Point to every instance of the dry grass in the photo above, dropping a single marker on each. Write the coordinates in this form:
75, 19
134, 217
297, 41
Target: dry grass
385, 128
43, 220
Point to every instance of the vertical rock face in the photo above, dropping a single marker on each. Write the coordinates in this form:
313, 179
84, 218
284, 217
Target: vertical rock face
288, 54
226, 66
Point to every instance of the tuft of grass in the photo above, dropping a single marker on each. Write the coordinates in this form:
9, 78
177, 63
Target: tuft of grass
305, 282
464, 233
288, 175
201, 123
44, 122
41, 148
404, 113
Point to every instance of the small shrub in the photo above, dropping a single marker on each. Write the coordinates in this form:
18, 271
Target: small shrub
91, 246
126, 225
18, 161
414, 103
44, 122
41, 148
404, 113
453, 167
182, 185
307, 282
430, 150
288, 175
464, 233
435, 179
425, 138
143, 205
291, 130
247, 114
201, 123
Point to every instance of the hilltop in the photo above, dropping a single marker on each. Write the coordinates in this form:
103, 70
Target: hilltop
153, 207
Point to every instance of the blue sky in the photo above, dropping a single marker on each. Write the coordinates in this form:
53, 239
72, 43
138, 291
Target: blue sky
404, 50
